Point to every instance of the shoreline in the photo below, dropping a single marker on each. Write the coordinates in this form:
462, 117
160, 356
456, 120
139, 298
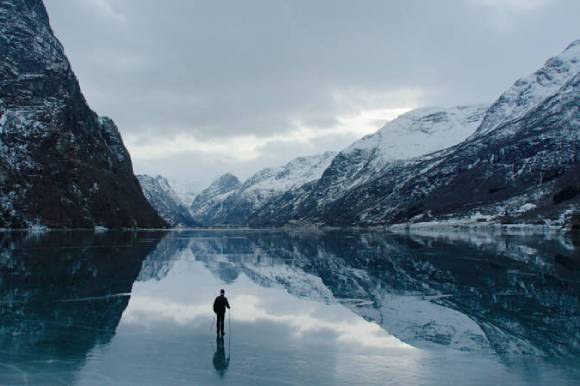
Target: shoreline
455, 226
458, 226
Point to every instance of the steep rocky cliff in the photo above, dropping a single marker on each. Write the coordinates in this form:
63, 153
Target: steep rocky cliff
61, 165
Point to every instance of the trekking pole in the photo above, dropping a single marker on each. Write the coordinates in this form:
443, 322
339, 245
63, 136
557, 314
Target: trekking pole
230, 331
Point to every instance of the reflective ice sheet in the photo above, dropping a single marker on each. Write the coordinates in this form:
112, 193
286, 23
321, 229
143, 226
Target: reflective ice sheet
321, 308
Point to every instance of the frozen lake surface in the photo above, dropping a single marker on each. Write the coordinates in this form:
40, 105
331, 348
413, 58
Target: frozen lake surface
308, 308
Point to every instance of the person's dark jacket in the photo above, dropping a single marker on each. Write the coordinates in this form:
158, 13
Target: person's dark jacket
220, 304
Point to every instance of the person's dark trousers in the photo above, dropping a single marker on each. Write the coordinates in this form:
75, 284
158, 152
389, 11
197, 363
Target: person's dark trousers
220, 323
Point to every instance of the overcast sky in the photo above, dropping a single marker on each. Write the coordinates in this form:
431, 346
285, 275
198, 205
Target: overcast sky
199, 88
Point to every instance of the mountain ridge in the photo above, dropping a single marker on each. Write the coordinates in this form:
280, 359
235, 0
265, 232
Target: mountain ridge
234, 205
525, 170
166, 202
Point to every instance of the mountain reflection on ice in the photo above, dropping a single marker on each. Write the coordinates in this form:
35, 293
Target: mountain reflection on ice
334, 307
46, 330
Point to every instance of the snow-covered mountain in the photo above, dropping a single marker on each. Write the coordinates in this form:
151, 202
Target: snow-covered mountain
207, 206
186, 191
61, 165
413, 134
232, 207
166, 202
526, 169
520, 165
418, 132
529, 92
269, 182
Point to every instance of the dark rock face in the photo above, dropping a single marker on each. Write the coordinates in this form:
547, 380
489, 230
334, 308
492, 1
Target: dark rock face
61, 165
166, 202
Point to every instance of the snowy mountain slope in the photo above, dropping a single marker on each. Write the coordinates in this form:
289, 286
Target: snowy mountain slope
235, 207
526, 165
324, 178
208, 204
165, 201
418, 132
412, 134
299, 171
60, 164
186, 191
525, 169
529, 92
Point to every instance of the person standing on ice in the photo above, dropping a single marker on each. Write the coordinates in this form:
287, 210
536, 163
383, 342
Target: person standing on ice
219, 307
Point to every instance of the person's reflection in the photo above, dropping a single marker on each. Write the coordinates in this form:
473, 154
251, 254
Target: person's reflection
220, 362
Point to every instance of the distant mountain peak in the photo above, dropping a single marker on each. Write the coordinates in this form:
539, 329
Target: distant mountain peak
413, 134
528, 92
227, 180
227, 202
420, 131
574, 45
293, 174
165, 201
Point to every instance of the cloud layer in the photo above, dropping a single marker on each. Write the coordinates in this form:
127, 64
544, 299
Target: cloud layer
202, 87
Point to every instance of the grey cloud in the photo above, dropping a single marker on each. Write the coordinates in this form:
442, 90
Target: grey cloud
215, 69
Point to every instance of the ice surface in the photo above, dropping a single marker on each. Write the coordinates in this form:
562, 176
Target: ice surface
324, 308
